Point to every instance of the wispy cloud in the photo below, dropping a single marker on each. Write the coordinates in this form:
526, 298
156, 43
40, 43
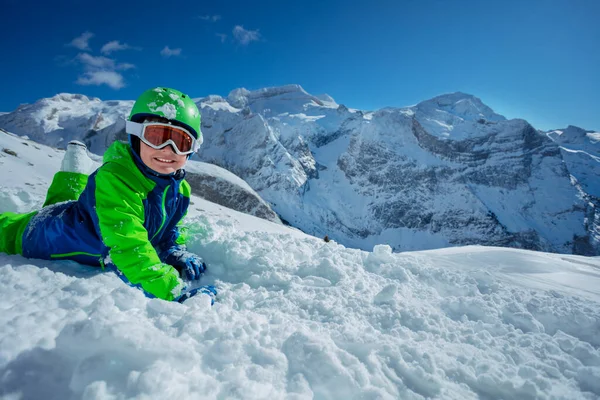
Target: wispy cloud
82, 42
99, 62
244, 37
211, 18
115, 45
97, 78
168, 52
125, 66
222, 36
91, 62
101, 70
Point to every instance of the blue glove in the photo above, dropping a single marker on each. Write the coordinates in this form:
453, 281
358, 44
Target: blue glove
193, 267
208, 290
188, 264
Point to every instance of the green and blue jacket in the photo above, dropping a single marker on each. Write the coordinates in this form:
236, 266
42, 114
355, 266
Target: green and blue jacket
126, 218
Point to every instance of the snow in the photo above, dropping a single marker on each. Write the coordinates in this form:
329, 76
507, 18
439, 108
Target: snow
307, 118
167, 109
277, 99
597, 159
576, 138
296, 317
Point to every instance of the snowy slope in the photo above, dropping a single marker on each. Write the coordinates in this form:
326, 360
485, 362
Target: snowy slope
297, 318
448, 171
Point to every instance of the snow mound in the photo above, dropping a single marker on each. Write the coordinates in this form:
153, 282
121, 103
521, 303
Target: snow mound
300, 318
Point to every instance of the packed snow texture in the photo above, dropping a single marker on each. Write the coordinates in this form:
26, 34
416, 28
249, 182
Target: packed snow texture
297, 318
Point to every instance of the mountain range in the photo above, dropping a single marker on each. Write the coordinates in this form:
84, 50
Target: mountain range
448, 171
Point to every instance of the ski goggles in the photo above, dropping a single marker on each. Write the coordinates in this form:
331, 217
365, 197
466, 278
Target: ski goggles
158, 135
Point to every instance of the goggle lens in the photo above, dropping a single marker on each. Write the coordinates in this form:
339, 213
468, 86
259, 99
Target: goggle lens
160, 134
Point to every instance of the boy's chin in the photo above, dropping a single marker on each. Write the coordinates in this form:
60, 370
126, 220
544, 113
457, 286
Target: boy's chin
164, 171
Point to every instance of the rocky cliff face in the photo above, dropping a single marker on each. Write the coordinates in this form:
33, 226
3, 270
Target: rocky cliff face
448, 171
580, 150
222, 187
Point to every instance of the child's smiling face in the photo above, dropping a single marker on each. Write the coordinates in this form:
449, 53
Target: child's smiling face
163, 161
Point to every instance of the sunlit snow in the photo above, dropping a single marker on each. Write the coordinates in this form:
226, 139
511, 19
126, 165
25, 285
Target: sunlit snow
296, 317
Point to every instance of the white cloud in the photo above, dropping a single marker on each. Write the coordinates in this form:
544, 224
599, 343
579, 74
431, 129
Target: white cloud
244, 36
81, 42
93, 62
168, 52
125, 66
110, 78
212, 18
115, 45
100, 70
222, 36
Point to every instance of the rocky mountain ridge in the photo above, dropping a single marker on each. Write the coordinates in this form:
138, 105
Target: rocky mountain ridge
447, 171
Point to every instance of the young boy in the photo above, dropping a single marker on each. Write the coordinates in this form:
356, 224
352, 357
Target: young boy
125, 216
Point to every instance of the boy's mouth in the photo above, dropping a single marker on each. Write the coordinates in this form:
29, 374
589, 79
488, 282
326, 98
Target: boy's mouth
164, 160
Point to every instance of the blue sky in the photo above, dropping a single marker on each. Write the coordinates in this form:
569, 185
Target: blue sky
532, 59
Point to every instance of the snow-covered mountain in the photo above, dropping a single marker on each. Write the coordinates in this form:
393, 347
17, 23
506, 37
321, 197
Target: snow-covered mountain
448, 171
295, 318
57, 120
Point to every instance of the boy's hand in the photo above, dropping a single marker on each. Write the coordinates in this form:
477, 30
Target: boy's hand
193, 266
208, 290
189, 265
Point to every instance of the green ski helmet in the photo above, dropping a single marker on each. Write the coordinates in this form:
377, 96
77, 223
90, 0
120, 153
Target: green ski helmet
170, 104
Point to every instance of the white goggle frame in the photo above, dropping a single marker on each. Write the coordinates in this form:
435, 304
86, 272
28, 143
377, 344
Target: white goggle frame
137, 129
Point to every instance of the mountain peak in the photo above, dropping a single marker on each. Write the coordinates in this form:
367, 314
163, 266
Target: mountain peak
574, 135
68, 97
575, 131
462, 105
243, 97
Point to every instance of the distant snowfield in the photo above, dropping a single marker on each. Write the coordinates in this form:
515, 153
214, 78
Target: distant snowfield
296, 318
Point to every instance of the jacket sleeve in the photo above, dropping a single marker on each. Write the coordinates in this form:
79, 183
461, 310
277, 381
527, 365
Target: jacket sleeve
120, 212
